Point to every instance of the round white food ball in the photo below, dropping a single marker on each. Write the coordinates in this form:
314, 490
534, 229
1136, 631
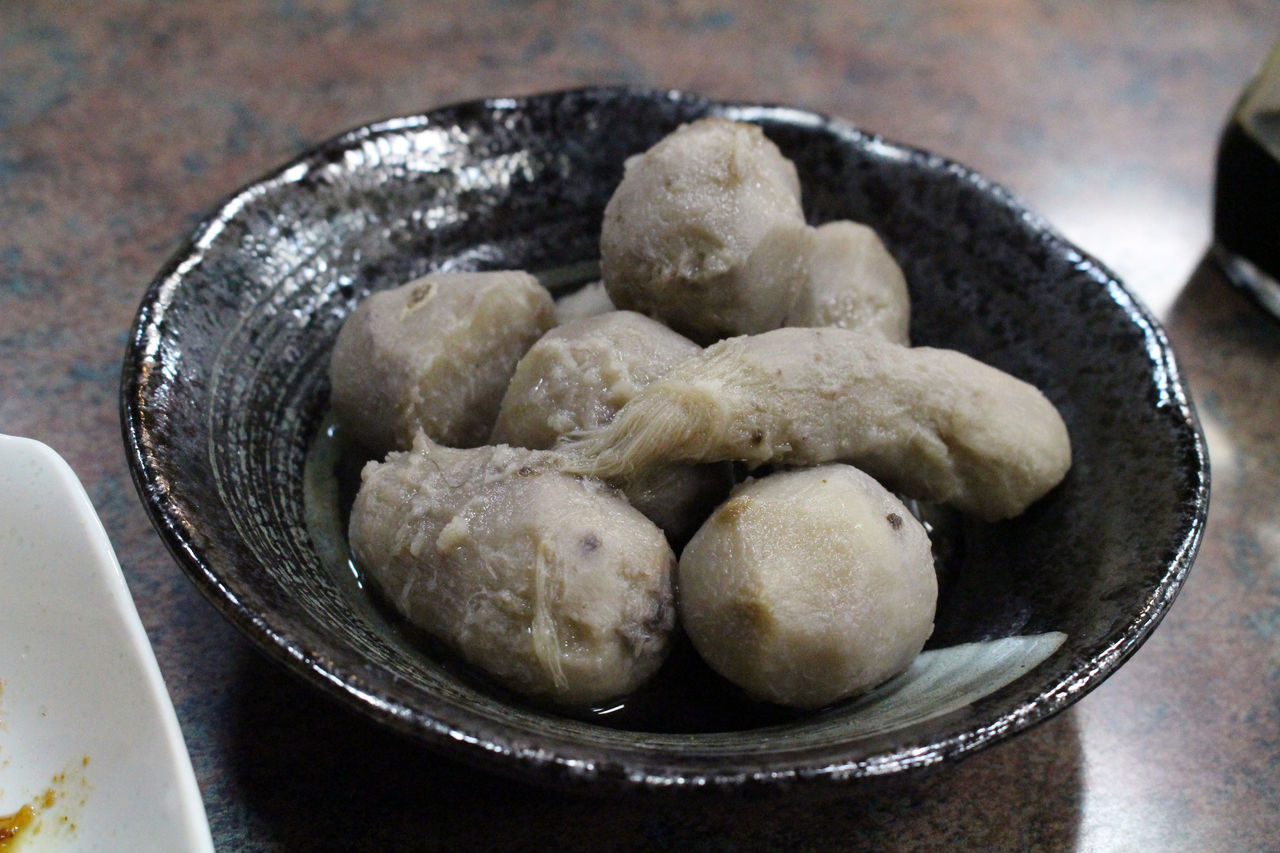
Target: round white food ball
436, 355
809, 586
853, 283
706, 233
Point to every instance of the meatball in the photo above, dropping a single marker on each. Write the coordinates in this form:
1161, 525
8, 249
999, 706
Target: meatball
436, 355
809, 586
852, 283
706, 233
577, 376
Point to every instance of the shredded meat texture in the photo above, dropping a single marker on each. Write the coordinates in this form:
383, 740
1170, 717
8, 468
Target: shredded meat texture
933, 424
551, 583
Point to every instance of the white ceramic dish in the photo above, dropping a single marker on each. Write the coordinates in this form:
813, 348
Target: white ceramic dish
91, 755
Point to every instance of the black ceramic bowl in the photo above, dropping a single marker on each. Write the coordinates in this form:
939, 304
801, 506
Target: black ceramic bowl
224, 413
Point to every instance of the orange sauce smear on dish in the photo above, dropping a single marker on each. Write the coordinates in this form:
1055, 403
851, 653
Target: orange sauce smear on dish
13, 824
27, 820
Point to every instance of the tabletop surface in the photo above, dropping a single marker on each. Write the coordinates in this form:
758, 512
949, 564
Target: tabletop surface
122, 122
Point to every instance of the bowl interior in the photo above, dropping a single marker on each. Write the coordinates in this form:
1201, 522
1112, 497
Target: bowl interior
225, 417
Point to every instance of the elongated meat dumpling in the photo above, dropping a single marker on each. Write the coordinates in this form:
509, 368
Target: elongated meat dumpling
933, 424
551, 583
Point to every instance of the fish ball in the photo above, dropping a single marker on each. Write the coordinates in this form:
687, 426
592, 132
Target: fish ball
578, 375
436, 355
809, 586
706, 233
852, 283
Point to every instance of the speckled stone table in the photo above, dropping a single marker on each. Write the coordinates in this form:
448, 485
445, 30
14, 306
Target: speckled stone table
122, 122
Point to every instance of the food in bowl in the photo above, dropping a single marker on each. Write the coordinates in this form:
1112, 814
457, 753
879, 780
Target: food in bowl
934, 424
809, 586
705, 232
225, 412
434, 354
474, 548
553, 584
577, 376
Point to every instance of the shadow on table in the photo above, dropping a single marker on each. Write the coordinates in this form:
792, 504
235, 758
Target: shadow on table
1228, 346
1228, 350
318, 776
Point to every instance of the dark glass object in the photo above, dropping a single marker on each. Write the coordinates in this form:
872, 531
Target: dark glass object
1246, 221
